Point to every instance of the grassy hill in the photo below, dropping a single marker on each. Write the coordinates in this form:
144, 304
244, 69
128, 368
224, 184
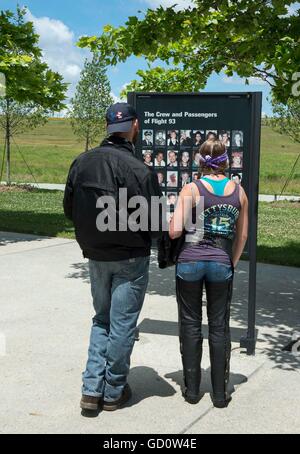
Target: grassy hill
49, 151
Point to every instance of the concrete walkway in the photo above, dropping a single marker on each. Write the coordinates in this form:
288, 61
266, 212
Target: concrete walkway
262, 197
45, 321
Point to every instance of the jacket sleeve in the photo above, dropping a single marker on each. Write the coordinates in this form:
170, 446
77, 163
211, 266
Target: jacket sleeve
69, 192
150, 188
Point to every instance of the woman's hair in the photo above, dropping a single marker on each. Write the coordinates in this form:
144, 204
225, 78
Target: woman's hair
214, 149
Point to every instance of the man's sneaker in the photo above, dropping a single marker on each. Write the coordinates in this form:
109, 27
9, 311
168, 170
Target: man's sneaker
90, 403
116, 404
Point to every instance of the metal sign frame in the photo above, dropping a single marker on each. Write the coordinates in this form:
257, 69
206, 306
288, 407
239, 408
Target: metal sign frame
254, 103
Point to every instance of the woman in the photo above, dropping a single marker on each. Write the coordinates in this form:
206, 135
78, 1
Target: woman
198, 139
209, 260
196, 160
185, 159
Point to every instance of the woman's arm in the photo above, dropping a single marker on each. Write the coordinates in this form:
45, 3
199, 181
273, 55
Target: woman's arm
241, 229
187, 200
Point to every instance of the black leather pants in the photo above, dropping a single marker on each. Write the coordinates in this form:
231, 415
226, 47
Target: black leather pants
189, 298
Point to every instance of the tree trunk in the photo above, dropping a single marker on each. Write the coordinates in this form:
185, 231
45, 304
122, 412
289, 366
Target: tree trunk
8, 136
87, 143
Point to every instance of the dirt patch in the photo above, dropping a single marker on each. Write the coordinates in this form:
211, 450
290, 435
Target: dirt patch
17, 188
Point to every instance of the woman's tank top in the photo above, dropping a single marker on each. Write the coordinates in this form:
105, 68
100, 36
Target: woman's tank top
221, 213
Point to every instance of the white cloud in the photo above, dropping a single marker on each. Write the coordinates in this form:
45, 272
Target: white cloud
115, 97
181, 4
58, 44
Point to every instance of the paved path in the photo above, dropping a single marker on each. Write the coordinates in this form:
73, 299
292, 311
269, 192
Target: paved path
45, 320
262, 197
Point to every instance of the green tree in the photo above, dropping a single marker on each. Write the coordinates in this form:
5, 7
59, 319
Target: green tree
286, 118
28, 79
250, 38
286, 121
91, 100
15, 118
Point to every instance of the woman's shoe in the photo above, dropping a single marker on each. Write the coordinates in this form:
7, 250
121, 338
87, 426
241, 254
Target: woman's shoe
221, 403
192, 399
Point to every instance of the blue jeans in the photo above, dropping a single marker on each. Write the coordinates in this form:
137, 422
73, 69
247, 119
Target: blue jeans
208, 271
118, 290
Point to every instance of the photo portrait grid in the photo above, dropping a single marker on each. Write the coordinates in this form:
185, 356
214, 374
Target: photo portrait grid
174, 155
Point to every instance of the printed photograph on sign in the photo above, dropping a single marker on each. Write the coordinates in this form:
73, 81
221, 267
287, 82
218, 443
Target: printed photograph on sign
186, 140
224, 137
160, 138
195, 176
237, 177
172, 158
161, 178
159, 160
147, 138
198, 138
172, 179
185, 178
173, 139
185, 159
237, 139
196, 159
148, 158
172, 199
237, 160
211, 134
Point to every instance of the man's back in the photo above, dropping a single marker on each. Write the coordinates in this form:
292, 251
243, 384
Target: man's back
102, 172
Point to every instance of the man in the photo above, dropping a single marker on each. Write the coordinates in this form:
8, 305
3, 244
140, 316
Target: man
159, 160
118, 257
185, 139
172, 199
238, 139
172, 159
147, 142
160, 139
173, 139
185, 178
224, 137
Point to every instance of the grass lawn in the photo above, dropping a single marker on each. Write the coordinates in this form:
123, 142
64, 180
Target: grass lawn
49, 151
40, 212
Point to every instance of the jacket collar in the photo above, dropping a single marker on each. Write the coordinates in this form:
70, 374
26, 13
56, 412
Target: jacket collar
119, 142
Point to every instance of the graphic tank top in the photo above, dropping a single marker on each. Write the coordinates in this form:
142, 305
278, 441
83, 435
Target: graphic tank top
221, 213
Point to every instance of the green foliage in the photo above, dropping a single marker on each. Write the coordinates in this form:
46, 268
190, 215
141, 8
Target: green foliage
18, 43
91, 100
245, 37
21, 116
28, 79
286, 118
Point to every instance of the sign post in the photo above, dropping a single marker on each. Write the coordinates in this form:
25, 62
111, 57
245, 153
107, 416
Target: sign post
172, 128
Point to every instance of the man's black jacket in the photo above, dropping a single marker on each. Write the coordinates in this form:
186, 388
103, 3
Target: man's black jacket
102, 172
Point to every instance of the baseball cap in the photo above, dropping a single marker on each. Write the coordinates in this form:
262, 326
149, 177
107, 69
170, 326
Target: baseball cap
119, 117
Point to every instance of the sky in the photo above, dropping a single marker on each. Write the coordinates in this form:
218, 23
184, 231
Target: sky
61, 22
